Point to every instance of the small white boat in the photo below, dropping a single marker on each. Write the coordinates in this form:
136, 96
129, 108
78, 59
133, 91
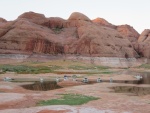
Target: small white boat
85, 80
138, 77
57, 79
65, 78
7, 79
99, 80
111, 80
41, 79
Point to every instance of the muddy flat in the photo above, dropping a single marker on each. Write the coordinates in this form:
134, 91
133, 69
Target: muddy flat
121, 95
15, 99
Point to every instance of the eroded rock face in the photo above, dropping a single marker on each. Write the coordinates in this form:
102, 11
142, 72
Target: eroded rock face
34, 17
55, 22
103, 22
2, 20
144, 36
128, 32
143, 46
101, 41
78, 35
78, 16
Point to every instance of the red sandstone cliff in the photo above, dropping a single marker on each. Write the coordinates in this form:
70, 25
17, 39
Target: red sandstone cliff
125, 30
143, 45
33, 32
103, 22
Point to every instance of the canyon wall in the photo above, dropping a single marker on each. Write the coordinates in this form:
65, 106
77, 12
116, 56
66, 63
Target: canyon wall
78, 35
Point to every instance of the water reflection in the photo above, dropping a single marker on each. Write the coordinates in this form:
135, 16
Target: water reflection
42, 86
132, 89
146, 78
145, 75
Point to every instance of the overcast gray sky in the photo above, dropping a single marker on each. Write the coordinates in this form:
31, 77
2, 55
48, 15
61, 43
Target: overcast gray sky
133, 12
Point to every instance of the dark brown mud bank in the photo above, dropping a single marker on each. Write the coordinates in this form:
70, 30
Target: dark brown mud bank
139, 91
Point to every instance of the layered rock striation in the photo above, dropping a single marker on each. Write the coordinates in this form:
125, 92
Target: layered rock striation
125, 30
78, 35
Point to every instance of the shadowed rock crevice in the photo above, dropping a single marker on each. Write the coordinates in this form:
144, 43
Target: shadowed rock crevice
44, 46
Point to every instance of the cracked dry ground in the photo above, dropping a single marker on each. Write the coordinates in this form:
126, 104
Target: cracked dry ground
15, 99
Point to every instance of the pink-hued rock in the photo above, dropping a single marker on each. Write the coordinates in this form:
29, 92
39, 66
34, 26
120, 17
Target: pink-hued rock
34, 33
103, 22
34, 17
128, 32
2, 20
99, 41
125, 30
78, 16
143, 46
55, 22
144, 36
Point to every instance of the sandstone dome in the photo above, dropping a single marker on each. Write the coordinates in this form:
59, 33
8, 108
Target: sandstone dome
128, 31
103, 22
31, 15
78, 16
36, 18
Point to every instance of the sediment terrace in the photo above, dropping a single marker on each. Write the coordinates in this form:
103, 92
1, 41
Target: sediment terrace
105, 61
